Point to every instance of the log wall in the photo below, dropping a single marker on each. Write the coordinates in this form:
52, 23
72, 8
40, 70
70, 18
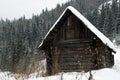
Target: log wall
75, 48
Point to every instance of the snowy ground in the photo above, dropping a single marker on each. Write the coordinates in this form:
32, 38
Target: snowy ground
103, 74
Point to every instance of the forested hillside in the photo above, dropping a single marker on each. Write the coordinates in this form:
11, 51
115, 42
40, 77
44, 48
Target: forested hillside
19, 39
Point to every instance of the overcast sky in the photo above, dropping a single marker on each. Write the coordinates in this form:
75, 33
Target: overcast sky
17, 8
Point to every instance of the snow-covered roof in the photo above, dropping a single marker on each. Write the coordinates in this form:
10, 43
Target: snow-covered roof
100, 35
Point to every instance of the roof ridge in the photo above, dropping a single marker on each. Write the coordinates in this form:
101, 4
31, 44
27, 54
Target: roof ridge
89, 25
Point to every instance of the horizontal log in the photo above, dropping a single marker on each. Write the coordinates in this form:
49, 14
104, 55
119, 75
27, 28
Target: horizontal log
81, 60
76, 63
76, 40
76, 67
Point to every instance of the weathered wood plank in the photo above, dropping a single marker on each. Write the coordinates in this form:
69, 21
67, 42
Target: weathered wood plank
72, 44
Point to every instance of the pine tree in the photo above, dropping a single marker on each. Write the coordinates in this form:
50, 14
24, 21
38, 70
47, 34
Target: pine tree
101, 20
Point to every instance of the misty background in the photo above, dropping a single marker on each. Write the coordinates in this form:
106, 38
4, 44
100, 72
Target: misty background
17, 8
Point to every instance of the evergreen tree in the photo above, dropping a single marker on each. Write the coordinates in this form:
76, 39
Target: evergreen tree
101, 20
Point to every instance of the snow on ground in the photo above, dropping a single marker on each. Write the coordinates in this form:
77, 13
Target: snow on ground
102, 74
117, 60
6, 76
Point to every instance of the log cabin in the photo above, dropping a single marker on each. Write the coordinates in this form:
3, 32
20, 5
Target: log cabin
73, 44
